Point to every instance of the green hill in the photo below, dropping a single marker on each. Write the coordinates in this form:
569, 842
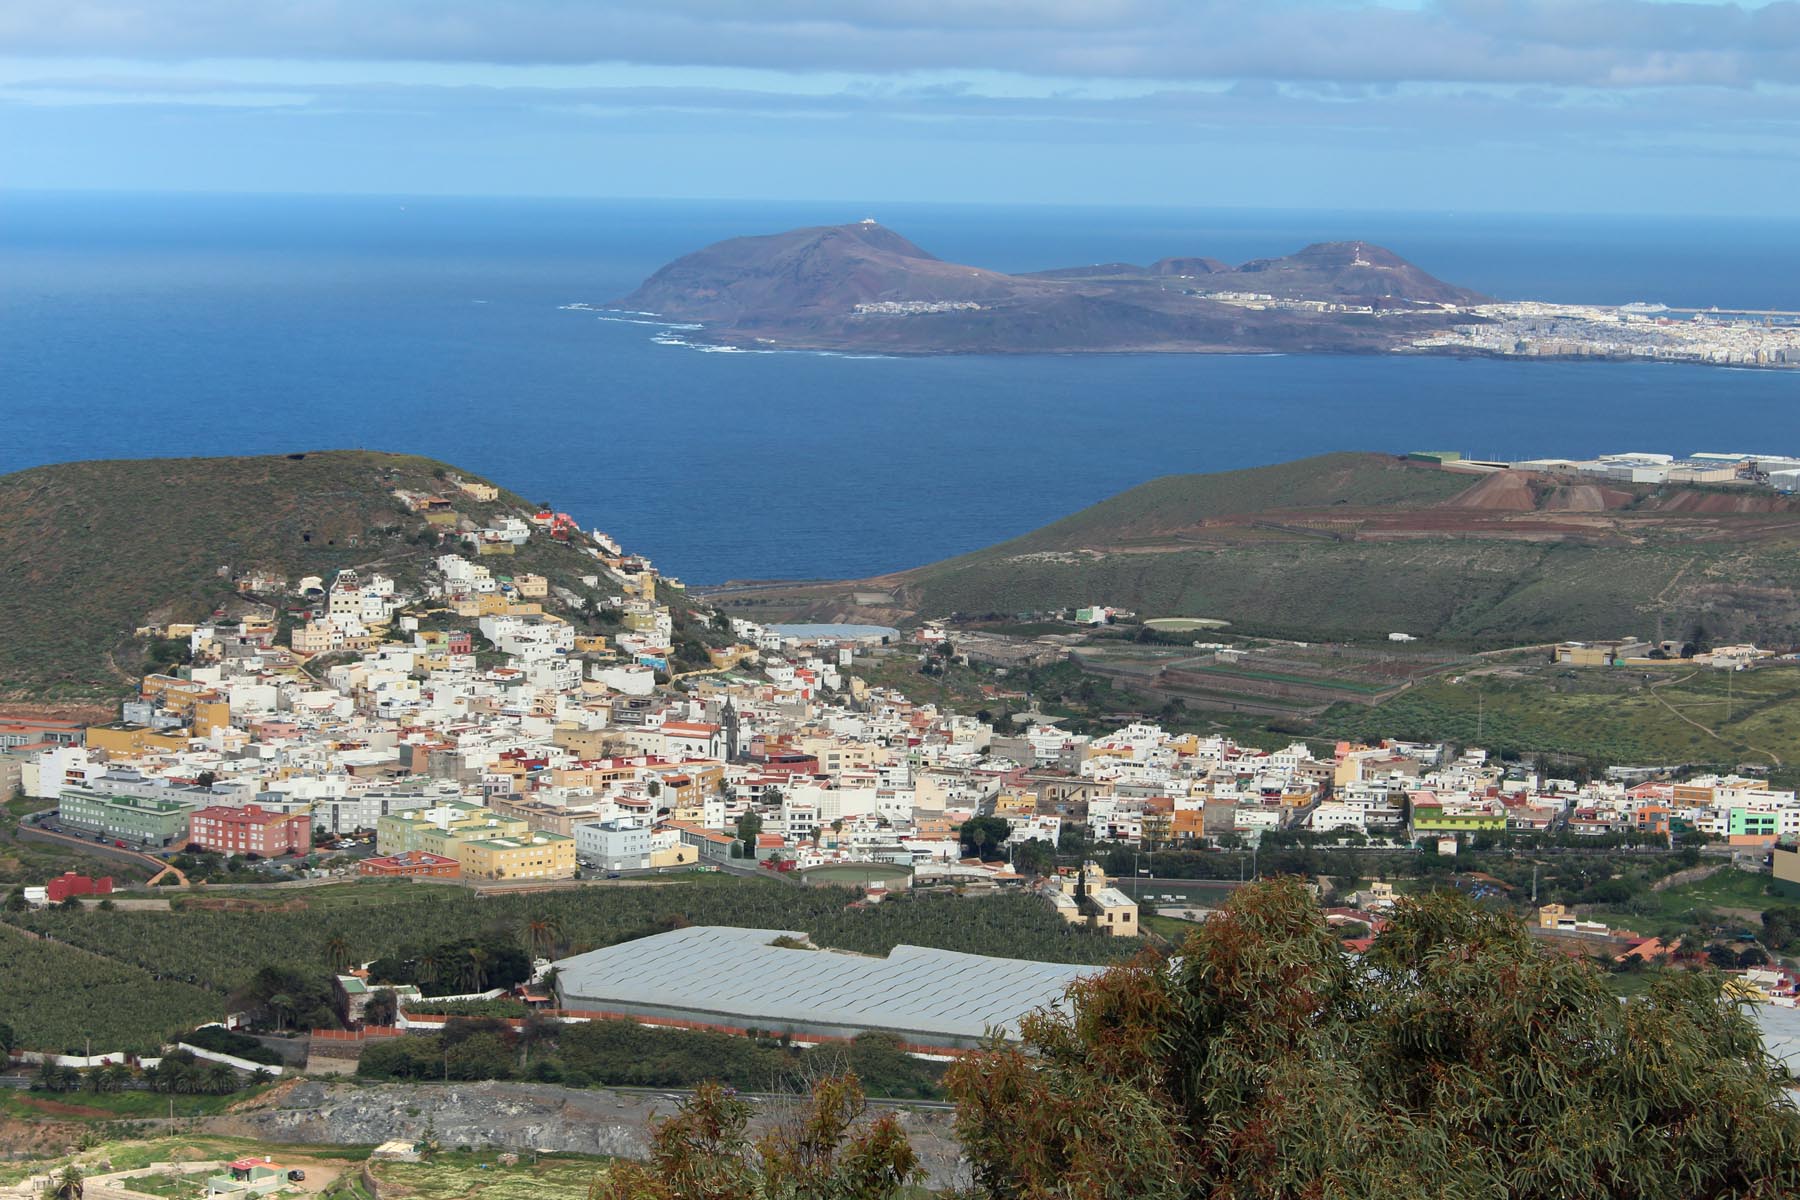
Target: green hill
94, 550
1360, 545
1176, 502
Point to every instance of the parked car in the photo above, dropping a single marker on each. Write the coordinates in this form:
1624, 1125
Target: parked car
297, 1175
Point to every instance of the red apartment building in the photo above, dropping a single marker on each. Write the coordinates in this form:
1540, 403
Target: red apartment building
251, 830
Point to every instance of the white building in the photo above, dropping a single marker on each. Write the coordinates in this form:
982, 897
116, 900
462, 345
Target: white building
621, 845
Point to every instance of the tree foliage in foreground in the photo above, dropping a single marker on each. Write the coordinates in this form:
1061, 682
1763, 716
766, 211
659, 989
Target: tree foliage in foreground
828, 1150
1453, 1060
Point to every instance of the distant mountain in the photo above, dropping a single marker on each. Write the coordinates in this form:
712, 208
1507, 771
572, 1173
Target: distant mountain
865, 286
1354, 271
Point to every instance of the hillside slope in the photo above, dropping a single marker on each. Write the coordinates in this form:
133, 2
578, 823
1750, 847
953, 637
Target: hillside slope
96, 549
1361, 545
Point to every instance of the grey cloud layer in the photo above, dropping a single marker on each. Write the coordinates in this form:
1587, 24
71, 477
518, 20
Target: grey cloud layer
1649, 121
1598, 43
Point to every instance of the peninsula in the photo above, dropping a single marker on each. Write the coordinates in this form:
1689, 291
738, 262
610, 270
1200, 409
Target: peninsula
862, 287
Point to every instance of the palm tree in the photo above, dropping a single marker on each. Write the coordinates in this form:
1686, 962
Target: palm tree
475, 969
220, 1079
383, 1008
541, 931
427, 968
282, 1005
337, 953
68, 1185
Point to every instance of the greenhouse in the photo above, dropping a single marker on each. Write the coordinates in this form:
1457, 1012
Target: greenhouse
767, 979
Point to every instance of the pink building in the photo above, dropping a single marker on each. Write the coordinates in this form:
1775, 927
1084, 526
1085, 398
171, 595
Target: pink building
251, 830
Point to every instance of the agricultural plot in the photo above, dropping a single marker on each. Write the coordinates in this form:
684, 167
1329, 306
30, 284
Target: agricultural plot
1277, 678
1678, 715
484, 1177
63, 999
203, 954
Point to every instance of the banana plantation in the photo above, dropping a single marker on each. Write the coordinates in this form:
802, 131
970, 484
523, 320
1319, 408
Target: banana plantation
178, 967
64, 1000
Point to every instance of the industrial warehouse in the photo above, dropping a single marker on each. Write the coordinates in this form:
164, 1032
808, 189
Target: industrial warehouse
741, 978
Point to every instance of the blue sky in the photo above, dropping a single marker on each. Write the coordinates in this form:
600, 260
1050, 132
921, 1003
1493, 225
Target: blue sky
1639, 106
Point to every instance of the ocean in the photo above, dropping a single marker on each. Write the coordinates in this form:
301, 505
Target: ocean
190, 325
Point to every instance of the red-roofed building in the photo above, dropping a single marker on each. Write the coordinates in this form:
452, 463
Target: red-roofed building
70, 884
700, 739
251, 830
411, 862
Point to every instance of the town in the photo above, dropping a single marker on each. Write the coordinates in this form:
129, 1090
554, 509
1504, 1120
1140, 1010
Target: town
1537, 329
566, 745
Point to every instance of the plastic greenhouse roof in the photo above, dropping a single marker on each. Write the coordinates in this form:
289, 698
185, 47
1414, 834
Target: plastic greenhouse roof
736, 973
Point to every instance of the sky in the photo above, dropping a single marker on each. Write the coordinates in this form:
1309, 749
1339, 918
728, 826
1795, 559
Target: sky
1626, 106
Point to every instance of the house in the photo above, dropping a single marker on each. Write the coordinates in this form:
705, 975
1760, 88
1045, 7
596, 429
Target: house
481, 493
1083, 898
410, 863
70, 884
247, 1177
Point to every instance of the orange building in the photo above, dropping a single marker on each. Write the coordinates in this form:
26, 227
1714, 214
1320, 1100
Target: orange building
1189, 825
411, 862
251, 829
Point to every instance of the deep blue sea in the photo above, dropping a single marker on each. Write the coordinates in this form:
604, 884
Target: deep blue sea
177, 325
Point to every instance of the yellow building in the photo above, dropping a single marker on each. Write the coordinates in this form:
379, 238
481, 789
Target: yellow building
724, 658
532, 587
489, 845
493, 604
482, 493
677, 855
1015, 804
534, 856
131, 741
1083, 898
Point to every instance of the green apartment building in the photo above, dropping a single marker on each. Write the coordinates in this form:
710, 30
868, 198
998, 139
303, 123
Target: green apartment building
135, 820
1432, 819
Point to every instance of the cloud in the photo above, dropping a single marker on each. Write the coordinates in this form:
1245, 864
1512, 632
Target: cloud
1595, 43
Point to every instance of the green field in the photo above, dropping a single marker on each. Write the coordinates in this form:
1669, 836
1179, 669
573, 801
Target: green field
115, 1106
1613, 715
465, 1176
220, 951
63, 999
1679, 909
130, 1154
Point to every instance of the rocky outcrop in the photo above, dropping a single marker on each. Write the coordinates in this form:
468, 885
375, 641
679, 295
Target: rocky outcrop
520, 1116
